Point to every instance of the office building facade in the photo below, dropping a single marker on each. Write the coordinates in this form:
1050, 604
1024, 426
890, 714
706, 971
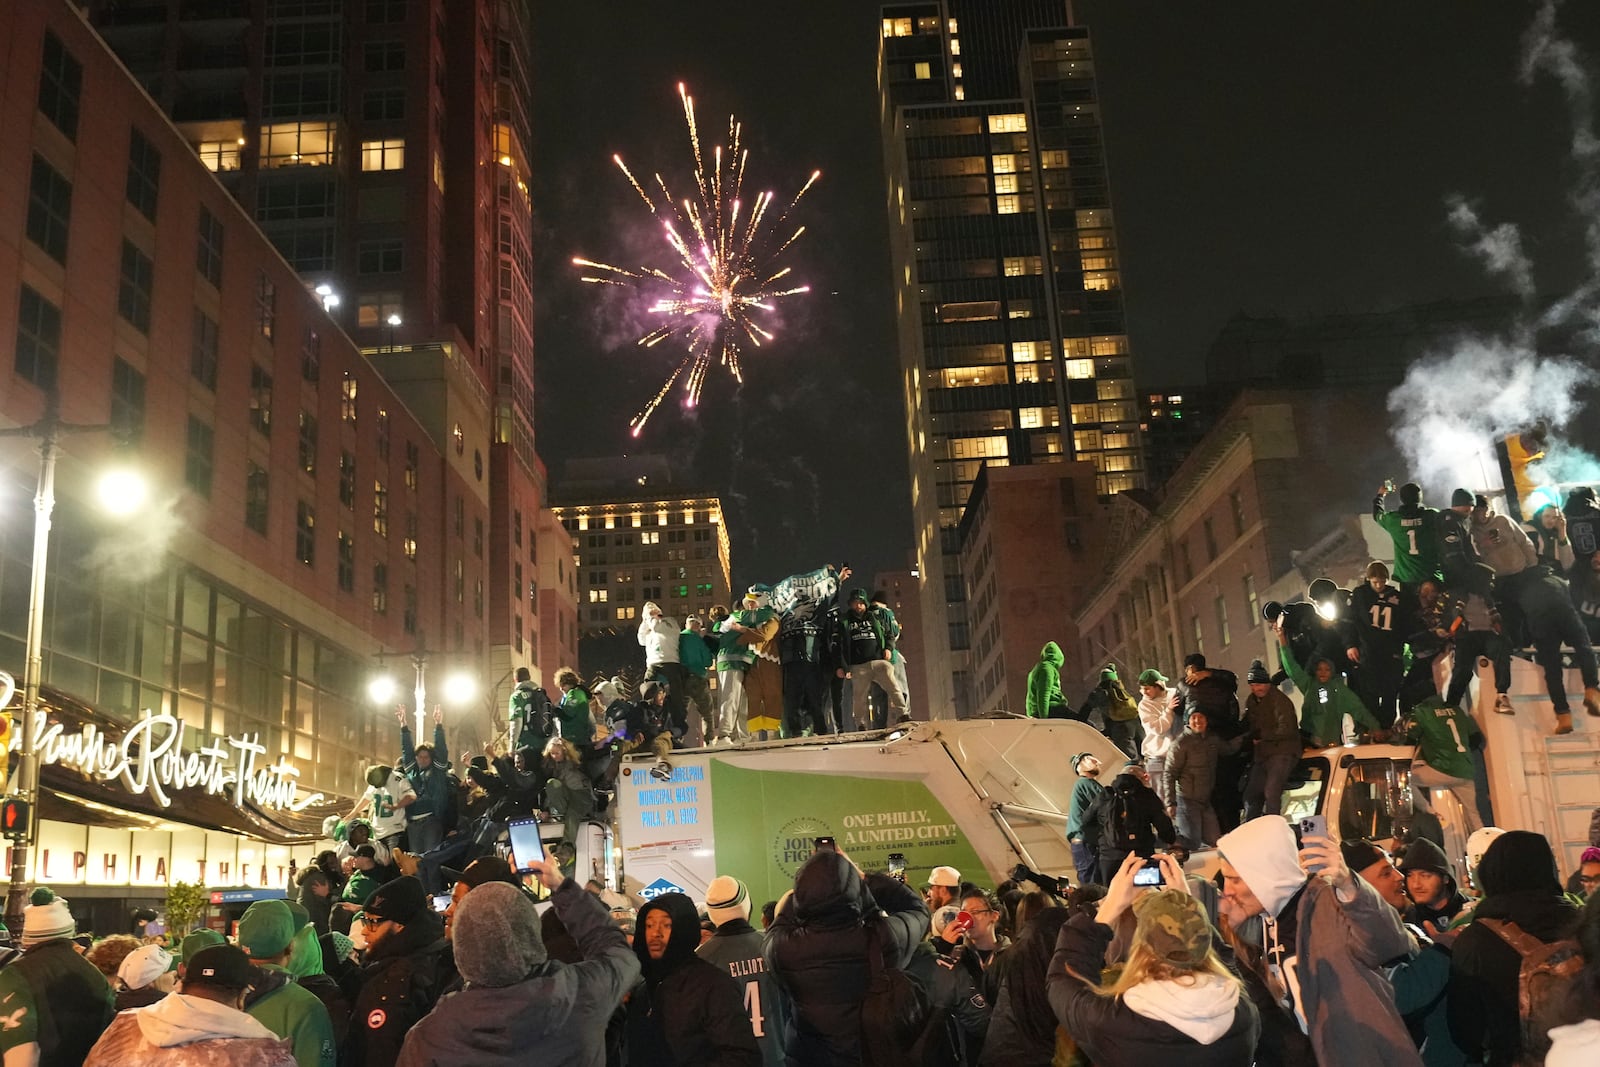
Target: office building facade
1012, 343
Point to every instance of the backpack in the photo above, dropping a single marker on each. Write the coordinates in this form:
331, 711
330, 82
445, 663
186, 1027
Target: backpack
1116, 821
895, 1011
1543, 981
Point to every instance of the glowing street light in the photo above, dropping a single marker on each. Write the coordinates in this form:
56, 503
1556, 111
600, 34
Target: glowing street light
460, 688
122, 491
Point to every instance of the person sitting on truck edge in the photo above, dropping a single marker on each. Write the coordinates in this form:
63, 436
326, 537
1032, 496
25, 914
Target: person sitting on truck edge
567, 792
1415, 530
1156, 719
1083, 832
1325, 700
1271, 719
1431, 884
1192, 782
428, 767
1548, 532
1314, 973
1044, 699
1445, 737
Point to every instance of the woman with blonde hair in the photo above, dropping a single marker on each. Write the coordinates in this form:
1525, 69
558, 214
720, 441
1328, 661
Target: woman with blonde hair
568, 792
1171, 995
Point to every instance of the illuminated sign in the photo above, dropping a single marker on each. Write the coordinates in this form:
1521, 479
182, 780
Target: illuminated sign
150, 758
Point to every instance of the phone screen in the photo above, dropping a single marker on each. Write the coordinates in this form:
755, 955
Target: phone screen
525, 844
1148, 876
897, 863
441, 901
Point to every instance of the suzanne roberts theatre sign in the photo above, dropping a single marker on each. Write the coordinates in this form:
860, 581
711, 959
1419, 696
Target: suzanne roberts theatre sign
149, 758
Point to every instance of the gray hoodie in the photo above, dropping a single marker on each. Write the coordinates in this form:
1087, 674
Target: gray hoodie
1503, 544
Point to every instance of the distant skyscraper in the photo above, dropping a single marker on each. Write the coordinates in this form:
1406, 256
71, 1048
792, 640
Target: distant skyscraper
1008, 288
342, 126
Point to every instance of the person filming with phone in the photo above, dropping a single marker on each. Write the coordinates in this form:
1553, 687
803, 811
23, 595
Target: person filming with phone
1315, 967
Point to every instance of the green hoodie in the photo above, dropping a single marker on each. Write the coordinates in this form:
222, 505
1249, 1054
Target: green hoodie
1044, 683
295, 1013
1323, 707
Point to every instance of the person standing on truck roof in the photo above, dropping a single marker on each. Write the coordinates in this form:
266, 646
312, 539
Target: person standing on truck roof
1118, 711
1083, 832
1156, 718
1415, 531
1325, 700
866, 641
658, 633
1271, 719
1192, 782
695, 657
427, 766
1375, 610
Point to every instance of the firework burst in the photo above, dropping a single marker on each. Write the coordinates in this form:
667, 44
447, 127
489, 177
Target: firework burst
726, 271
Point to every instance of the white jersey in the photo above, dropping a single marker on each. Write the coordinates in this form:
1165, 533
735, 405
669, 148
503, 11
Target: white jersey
388, 818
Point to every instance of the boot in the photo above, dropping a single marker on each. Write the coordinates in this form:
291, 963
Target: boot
1591, 701
1563, 722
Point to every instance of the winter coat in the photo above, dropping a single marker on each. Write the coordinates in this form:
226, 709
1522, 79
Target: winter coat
1144, 821
1216, 693
1080, 820
694, 654
1208, 1024
1273, 722
293, 1013
1520, 885
56, 999
1192, 766
658, 636
577, 725
513, 793
1337, 951
739, 949
1415, 531
1156, 716
1044, 684
1420, 986
685, 1011
1022, 1028
180, 1031
128, 999
1503, 545
560, 1009
818, 947
400, 981
960, 994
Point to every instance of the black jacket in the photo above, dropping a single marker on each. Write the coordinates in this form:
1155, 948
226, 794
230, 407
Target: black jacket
1022, 1027
1520, 884
514, 795
1142, 817
400, 982
685, 1012
817, 947
1113, 1034
1217, 694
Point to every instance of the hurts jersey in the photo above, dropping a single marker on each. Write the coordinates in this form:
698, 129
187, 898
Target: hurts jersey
1443, 734
1415, 532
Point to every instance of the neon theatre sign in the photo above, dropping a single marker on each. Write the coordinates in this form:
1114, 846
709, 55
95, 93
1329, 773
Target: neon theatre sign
150, 758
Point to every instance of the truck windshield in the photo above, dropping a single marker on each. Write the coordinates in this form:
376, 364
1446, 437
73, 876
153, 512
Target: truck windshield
1302, 795
1375, 799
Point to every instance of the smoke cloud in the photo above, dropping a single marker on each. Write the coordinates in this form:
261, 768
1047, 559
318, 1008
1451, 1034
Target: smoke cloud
1455, 403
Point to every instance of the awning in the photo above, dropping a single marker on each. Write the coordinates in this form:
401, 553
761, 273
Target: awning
69, 794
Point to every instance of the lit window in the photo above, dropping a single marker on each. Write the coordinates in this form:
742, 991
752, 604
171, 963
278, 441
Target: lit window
1099, 262
1005, 164
298, 144
219, 155
1053, 158
1016, 123
1029, 351
961, 92
1009, 205
1108, 346
1031, 418
955, 46
1005, 183
955, 69
383, 155
902, 27
1080, 368
1036, 372
924, 71
374, 309
1100, 281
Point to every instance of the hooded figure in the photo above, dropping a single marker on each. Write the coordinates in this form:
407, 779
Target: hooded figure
1119, 712
685, 1012
1424, 858
818, 947
1521, 888
516, 999
1044, 699
1132, 819
1316, 972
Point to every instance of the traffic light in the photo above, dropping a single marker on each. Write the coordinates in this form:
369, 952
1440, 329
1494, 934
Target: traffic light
14, 815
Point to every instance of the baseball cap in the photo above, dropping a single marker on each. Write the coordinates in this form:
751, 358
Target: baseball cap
197, 941
144, 965
945, 876
487, 869
225, 966
402, 901
266, 928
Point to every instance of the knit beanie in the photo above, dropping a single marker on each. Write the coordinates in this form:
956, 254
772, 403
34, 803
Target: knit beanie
1359, 855
46, 919
727, 899
305, 954
1461, 498
1174, 926
341, 945
496, 936
1424, 855
1257, 673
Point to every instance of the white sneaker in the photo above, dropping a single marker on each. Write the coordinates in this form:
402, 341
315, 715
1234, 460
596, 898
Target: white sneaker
1502, 704
662, 772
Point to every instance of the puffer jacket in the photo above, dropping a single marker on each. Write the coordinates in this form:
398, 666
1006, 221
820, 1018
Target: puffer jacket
818, 947
685, 1011
180, 1031
1192, 766
403, 977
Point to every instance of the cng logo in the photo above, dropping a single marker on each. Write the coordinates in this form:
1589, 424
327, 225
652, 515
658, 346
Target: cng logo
657, 888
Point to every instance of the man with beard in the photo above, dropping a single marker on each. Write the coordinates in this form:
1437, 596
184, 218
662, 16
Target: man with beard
685, 1011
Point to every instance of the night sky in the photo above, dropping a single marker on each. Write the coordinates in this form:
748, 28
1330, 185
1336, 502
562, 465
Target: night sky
1265, 157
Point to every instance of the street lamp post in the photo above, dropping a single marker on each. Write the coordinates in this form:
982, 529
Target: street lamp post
393, 320
458, 688
25, 784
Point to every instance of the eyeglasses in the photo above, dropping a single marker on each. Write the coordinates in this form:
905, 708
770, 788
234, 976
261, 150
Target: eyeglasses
980, 911
369, 921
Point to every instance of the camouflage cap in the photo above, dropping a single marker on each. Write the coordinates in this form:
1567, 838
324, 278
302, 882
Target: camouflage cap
1173, 926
